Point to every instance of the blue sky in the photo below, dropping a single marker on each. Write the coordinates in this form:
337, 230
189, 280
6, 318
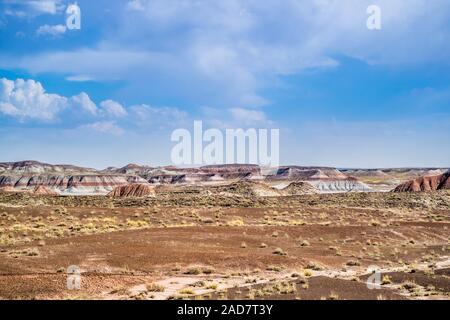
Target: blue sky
112, 92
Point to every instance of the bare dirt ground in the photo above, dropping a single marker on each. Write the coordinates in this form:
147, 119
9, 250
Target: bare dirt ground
199, 245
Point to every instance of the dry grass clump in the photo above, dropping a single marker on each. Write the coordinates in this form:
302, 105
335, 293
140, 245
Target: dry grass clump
353, 263
274, 268
409, 285
212, 286
186, 291
307, 273
314, 266
280, 252
386, 280
193, 271
274, 289
154, 287
238, 222
333, 296
199, 270
121, 291
305, 243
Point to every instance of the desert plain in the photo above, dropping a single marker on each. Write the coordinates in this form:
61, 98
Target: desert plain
236, 238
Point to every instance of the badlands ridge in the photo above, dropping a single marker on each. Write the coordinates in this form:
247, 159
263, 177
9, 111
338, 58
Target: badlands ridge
138, 181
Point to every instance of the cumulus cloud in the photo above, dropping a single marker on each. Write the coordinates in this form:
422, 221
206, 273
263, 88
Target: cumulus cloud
54, 31
82, 101
113, 108
27, 99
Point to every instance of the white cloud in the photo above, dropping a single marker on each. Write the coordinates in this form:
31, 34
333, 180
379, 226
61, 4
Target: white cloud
23, 8
27, 99
84, 102
113, 108
109, 127
54, 31
45, 6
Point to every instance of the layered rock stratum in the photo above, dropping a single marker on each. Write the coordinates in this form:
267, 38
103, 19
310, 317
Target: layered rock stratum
426, 183
133, 190
44, 191
75, 180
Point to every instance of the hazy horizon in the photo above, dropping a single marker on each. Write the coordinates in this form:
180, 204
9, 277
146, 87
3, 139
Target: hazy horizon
243, 164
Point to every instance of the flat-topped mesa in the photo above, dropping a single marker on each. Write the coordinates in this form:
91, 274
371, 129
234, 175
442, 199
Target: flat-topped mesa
426, 183
231, 168
297, 173
133, 190
131, 168
36, 167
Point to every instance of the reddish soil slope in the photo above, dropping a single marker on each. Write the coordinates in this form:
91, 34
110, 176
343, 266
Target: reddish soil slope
427, 183
44, 191
133, 190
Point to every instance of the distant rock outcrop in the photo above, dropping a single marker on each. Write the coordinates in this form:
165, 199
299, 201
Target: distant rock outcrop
324, 179
296, 173
133, 190
35, 167
299, 188
426, 183
246, 188
340, 185
89, 184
